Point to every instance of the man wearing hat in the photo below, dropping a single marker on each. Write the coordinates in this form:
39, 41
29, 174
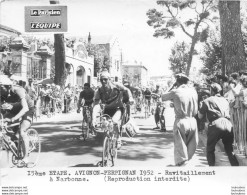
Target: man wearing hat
111, 95
216, 108
185, 131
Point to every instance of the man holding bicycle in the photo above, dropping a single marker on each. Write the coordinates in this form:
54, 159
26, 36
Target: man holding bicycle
87, 95
20, 106
111, 95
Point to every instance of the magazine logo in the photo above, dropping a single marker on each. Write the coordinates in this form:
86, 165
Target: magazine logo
41, 12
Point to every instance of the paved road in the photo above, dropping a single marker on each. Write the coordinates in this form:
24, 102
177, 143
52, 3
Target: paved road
61, 148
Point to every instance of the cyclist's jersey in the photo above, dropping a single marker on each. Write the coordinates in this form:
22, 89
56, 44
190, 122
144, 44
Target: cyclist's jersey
112, 96
87, 95
17, 93
147, 95
138, 93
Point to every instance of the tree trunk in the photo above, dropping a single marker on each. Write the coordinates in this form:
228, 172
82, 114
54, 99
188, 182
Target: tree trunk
60, 69
231, 35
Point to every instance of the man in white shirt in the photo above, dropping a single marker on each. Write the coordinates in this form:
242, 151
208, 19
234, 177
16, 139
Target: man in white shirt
67, 98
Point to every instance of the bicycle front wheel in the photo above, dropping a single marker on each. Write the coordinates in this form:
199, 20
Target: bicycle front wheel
113, 151
106, 154
34, 147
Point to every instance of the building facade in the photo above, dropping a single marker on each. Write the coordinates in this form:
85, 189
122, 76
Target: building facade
136, 75
162, 81
111, 46
81, 69
28, 61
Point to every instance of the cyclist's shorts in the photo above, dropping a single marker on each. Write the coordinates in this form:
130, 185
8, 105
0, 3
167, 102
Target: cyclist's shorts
29, 115
111, 112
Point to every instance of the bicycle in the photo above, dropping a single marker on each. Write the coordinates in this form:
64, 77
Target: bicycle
162, 117
87, 119
138, 105
109, 152
15, 144
147, 108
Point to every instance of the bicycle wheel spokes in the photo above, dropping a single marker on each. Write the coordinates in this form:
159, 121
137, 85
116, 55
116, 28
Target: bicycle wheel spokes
34, 147
113, 151
106, 155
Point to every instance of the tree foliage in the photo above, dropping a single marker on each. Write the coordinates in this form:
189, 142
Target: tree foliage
195, 25
179, 57
101, 57
212, 54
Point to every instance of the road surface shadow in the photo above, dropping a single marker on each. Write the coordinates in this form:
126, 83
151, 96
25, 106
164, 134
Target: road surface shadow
84, 165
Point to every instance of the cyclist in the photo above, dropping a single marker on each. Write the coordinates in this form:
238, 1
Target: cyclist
147, 97
20, 106
87, 95
138, 97
111, 94
48, 92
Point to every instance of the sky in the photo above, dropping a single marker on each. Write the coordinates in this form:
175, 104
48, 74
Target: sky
125, 19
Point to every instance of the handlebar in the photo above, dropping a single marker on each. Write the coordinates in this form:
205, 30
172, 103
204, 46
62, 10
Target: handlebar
6, 125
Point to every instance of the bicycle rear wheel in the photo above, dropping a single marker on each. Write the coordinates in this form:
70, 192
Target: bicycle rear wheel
34, 147
86, 132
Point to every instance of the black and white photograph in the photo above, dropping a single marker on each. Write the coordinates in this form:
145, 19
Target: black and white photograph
145, 95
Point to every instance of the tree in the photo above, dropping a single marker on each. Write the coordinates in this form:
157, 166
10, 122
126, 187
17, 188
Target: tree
165, 23
233, 56
60, 68
179, 57
212, 54
101, 57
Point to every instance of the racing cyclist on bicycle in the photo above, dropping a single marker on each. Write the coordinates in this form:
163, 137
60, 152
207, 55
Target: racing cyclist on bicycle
111, 95
20, 106
147, 97
87, 95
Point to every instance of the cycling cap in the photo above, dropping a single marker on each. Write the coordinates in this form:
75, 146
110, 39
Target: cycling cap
4, 80
105, 74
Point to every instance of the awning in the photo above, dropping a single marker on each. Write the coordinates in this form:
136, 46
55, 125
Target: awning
45, 81
18, 78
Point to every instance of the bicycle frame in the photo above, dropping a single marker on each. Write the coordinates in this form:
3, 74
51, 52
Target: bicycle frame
5, 130
110, 141
87, 118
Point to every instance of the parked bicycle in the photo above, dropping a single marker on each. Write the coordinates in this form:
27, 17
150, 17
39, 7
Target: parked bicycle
11, 141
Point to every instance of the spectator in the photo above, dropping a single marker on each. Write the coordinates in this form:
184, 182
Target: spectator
216, 108
67, 98
185, 126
